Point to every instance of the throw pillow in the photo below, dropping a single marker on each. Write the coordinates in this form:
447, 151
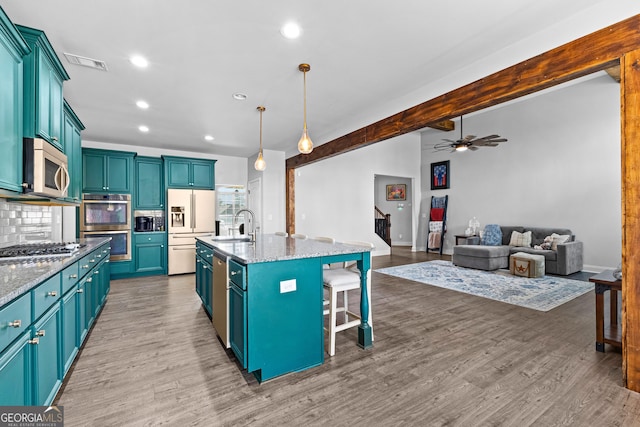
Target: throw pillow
492, 235
437, 214
557, 239
520, 239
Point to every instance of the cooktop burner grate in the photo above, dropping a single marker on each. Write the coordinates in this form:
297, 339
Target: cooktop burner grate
38, 250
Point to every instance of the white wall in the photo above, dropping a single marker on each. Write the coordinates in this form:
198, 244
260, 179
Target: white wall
560, 168
273, 189
335, 197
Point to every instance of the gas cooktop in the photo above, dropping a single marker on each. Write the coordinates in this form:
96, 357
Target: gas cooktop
25, 252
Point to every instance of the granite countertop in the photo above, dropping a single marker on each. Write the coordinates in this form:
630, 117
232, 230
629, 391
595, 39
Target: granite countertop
269, 248
19, 277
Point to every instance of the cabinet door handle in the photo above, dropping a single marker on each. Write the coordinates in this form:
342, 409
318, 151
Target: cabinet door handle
54, 138
98, 256
40, 333
73, 276
96, 272
80, 291
233, 273
15, 323
52, 293
92, 260
90, 279
86, 266
34, 341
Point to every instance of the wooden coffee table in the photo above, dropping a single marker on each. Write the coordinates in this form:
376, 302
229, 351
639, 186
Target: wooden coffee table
611, 333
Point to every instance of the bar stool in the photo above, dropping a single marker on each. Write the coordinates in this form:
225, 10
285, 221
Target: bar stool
342, 280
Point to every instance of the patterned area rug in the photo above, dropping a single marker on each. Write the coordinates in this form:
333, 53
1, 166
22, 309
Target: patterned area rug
540, 294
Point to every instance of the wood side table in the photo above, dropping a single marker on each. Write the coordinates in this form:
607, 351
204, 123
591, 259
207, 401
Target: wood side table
612, 333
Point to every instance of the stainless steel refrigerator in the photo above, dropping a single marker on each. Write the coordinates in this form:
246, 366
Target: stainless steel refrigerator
191, 213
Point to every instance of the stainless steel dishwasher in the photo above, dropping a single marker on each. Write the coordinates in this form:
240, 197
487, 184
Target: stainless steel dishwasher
221, 297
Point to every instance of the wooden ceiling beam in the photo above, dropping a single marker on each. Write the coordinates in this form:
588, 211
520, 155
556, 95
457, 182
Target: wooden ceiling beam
594, 52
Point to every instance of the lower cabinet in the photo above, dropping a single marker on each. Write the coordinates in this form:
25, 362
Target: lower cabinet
15, 367
34, 364
238, 323
46, 336
204, 276
149, 253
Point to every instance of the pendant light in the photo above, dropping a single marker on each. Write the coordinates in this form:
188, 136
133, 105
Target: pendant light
305, 146
260, 164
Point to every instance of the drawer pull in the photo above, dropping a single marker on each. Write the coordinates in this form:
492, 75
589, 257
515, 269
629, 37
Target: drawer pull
15, 323
99, 256
40, 333
73, 276
52, 294
96, 272
105, 251
90, 279
92, 260
80, 291
233, 273
34, 341
86, 266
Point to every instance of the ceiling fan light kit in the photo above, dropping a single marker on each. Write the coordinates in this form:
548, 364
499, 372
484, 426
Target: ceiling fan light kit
469, 142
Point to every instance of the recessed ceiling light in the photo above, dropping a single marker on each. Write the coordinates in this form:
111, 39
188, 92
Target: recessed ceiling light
239, 96
142, 104
143, 128
290, 30
139, 61
208, 138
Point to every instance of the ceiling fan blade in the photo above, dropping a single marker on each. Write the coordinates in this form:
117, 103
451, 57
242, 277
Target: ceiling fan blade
467, 138
449, 140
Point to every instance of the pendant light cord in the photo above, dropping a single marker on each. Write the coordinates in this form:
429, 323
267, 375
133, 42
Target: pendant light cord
304, 78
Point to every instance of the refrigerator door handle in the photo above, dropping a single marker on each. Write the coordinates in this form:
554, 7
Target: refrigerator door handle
193, 210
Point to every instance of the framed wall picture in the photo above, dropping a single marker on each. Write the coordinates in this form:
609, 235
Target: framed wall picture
397, 192
440, 175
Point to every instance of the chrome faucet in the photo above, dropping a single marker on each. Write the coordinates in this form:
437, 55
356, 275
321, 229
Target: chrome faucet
251, 234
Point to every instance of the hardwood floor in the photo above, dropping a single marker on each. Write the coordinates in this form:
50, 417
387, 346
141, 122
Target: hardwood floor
439, 358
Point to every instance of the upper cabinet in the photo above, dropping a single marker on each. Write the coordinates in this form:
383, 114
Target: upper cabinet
106, 171
43, 77
183, 172
149, 186
12, 50
73, 149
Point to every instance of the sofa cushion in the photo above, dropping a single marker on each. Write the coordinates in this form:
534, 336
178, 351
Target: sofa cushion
481, 251
520, 239
548, 254
492, 235
507, 230
539, 233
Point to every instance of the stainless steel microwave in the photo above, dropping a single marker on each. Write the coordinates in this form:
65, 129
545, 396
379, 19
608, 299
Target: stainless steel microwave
44, 168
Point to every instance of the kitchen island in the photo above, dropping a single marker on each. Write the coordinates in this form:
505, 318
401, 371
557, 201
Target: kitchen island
275, 300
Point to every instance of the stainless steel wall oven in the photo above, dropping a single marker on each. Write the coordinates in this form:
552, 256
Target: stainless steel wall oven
108, 215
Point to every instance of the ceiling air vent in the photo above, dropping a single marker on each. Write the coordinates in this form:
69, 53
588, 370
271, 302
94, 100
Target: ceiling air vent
86, 62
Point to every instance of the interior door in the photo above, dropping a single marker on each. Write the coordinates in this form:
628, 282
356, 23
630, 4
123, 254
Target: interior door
255, 202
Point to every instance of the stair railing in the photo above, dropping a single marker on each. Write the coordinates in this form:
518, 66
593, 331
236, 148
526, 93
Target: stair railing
383, 225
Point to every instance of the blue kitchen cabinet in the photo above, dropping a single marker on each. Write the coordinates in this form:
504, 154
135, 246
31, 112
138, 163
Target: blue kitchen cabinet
69, 339
12, 50
149, 252
83, 311
149, 183
43, 79
15, 368
185, 172
107, 171
238, 323
47, 350
204, 276
73, 149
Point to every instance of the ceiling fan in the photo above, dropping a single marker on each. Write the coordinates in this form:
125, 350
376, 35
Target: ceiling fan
469, 142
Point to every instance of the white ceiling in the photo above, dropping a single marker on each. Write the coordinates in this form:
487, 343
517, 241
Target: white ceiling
363, 53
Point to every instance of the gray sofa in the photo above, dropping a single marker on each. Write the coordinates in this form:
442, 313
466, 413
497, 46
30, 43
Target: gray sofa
567, 259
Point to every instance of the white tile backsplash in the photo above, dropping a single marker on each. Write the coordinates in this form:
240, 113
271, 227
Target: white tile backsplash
21, 223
